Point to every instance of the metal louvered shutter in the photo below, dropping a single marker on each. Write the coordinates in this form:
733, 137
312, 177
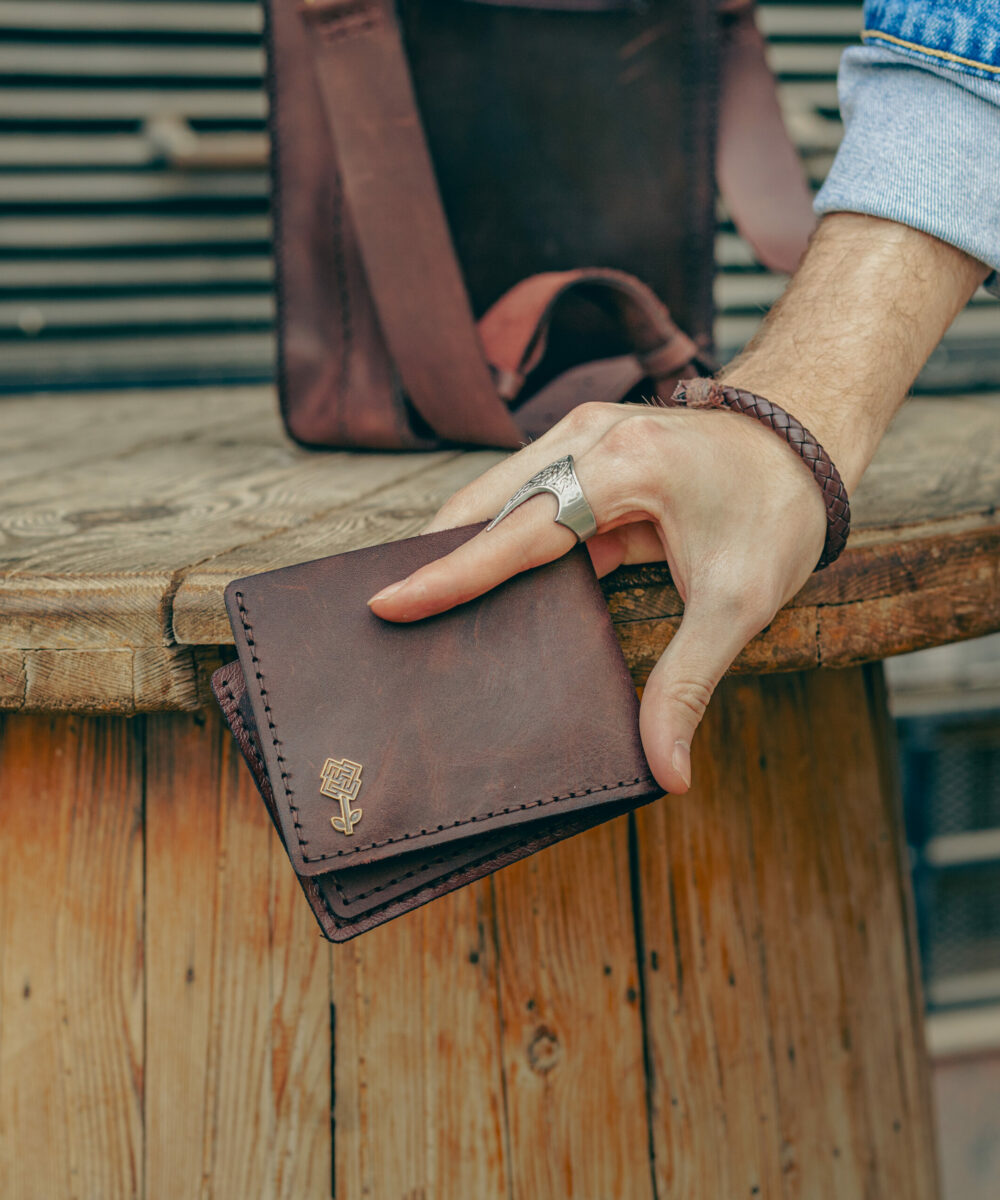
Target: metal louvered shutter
134, 240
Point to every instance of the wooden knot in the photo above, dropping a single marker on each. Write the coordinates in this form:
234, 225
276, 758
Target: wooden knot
544, 1050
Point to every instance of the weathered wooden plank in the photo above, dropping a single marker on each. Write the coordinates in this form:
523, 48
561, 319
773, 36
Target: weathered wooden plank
419, 1094
832, 635
119, 426
123, 534
71, 680
933, 554
71, 983
238, 1052
175, 504
301, 1050
914, 481
782, 1000
956, 612
138, 482
114, 614
13, 679
398, 510
572, 1029
171, 677
940, 460
182, 832
853, 613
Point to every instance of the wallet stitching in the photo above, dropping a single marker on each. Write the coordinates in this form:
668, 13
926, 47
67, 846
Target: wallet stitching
232, 711
248, 634
430, 885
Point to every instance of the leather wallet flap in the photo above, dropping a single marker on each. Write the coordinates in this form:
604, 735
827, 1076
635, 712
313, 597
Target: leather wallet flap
381, 738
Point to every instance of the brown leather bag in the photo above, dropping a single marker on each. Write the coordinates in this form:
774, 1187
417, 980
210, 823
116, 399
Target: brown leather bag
553, 138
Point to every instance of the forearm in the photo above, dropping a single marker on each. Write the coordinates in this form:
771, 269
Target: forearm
865, 309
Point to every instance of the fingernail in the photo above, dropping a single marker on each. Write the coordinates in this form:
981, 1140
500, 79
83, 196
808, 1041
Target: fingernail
385, 593
682, 761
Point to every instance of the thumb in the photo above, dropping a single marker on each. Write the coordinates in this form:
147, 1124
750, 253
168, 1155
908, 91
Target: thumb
682, 683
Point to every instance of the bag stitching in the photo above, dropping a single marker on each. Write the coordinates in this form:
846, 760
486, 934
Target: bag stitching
303, 842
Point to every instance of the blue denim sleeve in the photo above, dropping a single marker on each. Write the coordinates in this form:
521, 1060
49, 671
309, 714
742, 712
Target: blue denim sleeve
921, 108
963, 35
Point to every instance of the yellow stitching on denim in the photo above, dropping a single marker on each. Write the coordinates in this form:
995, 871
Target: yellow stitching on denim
945, 54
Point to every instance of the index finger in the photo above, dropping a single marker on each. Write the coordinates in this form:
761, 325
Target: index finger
525, 538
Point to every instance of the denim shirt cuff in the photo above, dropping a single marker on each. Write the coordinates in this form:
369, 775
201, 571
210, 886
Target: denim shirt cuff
959, 35
921, 147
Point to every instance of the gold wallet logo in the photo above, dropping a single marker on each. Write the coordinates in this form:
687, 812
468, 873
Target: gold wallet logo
341, 780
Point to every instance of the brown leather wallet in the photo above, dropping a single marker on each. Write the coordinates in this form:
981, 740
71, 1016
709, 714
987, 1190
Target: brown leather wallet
399, 762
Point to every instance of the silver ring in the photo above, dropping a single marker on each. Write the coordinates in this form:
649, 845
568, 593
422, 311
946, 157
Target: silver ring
559, 480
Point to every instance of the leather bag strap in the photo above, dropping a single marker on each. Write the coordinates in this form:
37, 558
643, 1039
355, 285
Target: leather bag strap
515, 330
409, 259
758, 169
413, 271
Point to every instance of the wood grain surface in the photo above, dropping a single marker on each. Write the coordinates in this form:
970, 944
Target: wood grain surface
71, 963
237, 984
123, 516
717, 998
420, 1104
776, 922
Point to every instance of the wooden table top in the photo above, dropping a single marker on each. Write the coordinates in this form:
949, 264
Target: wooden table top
123, 517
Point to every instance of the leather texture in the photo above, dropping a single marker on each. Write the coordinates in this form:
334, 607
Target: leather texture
389, 244
428, 161
708, 393
483, 734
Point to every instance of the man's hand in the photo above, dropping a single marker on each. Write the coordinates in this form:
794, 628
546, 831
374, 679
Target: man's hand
734, 511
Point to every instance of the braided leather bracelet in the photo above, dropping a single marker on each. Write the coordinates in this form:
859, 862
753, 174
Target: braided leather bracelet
708, 393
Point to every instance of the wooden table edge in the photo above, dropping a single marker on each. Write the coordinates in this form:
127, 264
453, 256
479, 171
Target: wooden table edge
883, 598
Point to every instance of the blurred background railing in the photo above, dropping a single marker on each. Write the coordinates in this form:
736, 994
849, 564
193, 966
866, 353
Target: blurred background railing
135, 251
134, 240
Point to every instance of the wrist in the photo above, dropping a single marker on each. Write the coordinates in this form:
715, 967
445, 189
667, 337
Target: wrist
847, 429
842, 347
781, 425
